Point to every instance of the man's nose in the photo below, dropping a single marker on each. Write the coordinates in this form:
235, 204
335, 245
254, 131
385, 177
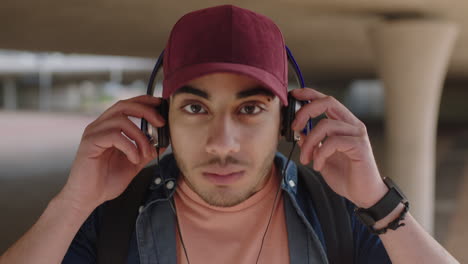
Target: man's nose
223, 137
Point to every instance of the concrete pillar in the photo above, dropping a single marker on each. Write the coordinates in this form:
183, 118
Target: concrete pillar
412, 58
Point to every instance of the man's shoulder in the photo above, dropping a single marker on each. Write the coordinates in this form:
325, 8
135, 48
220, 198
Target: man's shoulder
330, 214
314, 182
325, 201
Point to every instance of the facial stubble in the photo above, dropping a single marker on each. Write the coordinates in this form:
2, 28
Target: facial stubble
226, 196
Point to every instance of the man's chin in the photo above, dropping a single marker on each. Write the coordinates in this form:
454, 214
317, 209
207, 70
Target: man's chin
223, 199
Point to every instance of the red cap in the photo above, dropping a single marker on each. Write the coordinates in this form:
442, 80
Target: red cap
226, 39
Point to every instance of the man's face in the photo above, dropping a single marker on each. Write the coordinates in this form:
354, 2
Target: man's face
224, 134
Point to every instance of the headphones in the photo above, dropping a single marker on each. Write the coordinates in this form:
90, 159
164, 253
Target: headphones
160, 138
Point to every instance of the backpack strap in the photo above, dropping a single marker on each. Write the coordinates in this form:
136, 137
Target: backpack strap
118, 220
333, 216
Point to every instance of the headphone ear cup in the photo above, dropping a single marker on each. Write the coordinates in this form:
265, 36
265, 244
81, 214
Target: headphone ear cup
289, 113
158, 136
162, 137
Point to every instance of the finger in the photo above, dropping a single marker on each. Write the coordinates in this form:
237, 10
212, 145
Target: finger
146, 99
344, 144
330, 106
142, 99
127, 108
324, 129
106, 139
131, 130
306, 94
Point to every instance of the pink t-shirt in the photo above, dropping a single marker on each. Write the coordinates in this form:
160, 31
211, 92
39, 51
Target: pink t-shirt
232, 234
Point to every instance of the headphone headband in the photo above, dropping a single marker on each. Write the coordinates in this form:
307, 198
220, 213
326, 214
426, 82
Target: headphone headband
289, 112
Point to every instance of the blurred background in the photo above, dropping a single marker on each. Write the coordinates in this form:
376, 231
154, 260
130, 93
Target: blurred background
401, 66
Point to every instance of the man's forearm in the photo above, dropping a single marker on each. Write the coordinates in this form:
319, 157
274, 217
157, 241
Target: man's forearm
49, 238
411, 243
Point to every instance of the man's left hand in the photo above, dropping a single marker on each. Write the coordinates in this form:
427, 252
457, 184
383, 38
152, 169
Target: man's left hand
345, 158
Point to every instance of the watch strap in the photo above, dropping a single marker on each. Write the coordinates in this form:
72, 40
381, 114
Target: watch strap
384, 206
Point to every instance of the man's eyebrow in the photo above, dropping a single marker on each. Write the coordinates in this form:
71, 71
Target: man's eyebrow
192, 90
258, 90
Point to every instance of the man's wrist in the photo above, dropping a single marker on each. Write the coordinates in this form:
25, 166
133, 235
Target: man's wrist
64, 202
390, 217
387, 213
373, 197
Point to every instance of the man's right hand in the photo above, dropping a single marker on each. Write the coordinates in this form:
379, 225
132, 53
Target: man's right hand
107, 160
105, 164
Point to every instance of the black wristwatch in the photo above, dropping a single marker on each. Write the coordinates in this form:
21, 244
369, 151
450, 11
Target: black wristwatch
383, 208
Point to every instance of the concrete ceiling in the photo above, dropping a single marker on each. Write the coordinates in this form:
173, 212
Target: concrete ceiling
328, 37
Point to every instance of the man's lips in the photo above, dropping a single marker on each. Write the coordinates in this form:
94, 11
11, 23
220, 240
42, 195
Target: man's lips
223, 178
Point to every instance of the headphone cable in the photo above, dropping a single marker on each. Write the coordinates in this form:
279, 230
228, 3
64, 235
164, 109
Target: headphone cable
269, 219
274, 201
174, 211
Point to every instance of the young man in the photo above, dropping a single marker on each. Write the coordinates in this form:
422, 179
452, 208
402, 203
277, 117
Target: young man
225, 72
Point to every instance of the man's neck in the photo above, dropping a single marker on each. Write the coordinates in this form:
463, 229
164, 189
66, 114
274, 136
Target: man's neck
272, 173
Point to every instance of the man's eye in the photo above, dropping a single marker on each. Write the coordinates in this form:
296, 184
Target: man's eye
194, 109
250, 109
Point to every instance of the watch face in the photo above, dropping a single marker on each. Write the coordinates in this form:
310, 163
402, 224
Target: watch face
391, 184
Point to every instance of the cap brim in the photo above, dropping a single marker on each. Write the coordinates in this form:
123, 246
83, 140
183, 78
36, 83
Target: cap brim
186, 74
